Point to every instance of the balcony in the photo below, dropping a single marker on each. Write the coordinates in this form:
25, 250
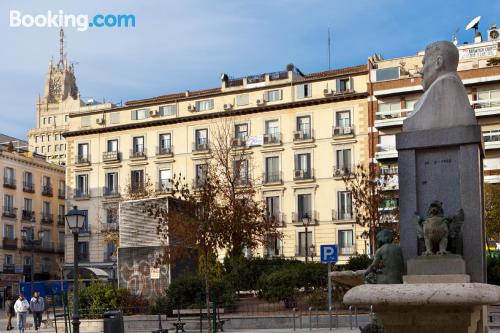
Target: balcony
198, 183
61, 193
81, 194
45, 246
491, 139
271, 139
486, 107
167, 151
277, 219
341, 216
234, 82
164, 186
111, 191
303, 175
110, 257
278, 76
256, 78
389, 171
137, 189
109, 227
347, 250
9, 211
272, 178
391, 118
386, 152
138, 153
242, 181
47, 190
9, 268
304, 135
239, 142
82, 160
300, 251
200, 147
59, 248
342, 170
28, 187
340, 132
9, 243
61, 221
28, 215
9, 182
47, 218
298, 217
111, 156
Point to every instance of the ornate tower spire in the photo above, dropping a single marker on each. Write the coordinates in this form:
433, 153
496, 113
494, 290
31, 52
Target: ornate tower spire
61, 48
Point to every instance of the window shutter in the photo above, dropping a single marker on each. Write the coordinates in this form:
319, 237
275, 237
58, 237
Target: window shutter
266, 96
133, 115
337, 85
300, 91
280, 94
351, 84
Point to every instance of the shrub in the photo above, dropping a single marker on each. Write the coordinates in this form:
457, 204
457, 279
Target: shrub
493, 263
97, 297
358, 262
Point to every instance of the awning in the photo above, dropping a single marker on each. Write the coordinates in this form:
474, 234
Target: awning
89, 273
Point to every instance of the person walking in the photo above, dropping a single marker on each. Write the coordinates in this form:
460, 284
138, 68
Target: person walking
37, 307
21, 308
9, 310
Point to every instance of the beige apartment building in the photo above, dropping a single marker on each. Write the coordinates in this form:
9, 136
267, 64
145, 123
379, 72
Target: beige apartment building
302, 132
33, 192
395, 86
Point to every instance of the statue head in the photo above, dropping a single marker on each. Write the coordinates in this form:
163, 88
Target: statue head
384, 236
440, 58
435, 209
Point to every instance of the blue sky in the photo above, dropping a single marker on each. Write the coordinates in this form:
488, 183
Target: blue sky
186, 44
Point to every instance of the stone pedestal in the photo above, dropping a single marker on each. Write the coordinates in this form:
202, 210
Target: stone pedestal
428, 307
436, 269
446, 165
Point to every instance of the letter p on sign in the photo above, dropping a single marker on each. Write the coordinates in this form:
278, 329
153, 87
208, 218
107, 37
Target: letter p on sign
329, 253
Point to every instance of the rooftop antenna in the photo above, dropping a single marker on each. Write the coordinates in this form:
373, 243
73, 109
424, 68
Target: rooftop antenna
474, 24
61, 47
454, 38
329, 49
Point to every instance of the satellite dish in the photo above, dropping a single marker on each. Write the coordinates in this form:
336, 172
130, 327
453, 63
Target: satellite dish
474, 24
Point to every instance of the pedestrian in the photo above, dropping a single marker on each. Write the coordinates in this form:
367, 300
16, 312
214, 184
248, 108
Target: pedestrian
9, 309
21, 308
37, 307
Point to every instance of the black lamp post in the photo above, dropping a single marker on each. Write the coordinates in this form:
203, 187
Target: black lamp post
365, 235
75, 219
305, 221
30, 241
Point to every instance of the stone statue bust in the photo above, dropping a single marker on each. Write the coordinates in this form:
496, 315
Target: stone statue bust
387, 266
444, 102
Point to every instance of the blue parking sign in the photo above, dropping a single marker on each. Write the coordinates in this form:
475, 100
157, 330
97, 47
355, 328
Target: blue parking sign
329, 253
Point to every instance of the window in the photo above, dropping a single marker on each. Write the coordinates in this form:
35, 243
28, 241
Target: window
43, 149
112, 215
43, 121
37, 138
488, 95
85, 121
346, 242
384, 74
205, 105
8, 204
43, 138
49, 137
57, 137
344, 159
242, 100
410, 104
201, 174
61, 212
110, 250
304, 90
343, 84
241, 171
140, 114
138, 144
137, 180
343, 119
303, 166
272, 170
201, 139
66, 118
82, 185
83, 153
305, 243
304, 206
111, 183
304, 126
27, 261
273, 208
165, 143
272, 95
46, 209
9, 175
28, 181
9, 231
86, 226
8, 259
112, 146
48, 149
62, 189
45, 266
84, 251
46, 238
273, 246
241, 131
386, 143
28, 205
49, 120
165, 175
168, 110
344, 204
114, 118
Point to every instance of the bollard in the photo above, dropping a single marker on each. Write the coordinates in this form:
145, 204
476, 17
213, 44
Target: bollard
310, 319
330, 317
371, 314
293, 312
350, 316
356, 316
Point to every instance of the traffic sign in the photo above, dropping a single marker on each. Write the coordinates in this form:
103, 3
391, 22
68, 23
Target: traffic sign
329, 253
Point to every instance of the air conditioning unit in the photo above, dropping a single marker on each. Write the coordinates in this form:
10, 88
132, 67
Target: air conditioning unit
327, 92
299, 174
100, 121
298, 135
154, 113
228, 106
260, 101
191, 107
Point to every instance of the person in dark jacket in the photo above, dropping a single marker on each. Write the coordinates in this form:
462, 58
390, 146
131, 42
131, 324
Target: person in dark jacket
37, 307
9, 310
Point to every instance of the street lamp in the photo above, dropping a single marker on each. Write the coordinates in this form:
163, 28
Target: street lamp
30, 241
365, 235
305, 221
75, 219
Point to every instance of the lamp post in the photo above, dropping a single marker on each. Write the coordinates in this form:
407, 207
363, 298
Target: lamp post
365, 235
30, 241
75, 219
305, 221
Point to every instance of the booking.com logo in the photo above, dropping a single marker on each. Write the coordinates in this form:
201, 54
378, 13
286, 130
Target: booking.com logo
61, 20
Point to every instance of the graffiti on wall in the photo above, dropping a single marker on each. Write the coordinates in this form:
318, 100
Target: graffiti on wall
137, 272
